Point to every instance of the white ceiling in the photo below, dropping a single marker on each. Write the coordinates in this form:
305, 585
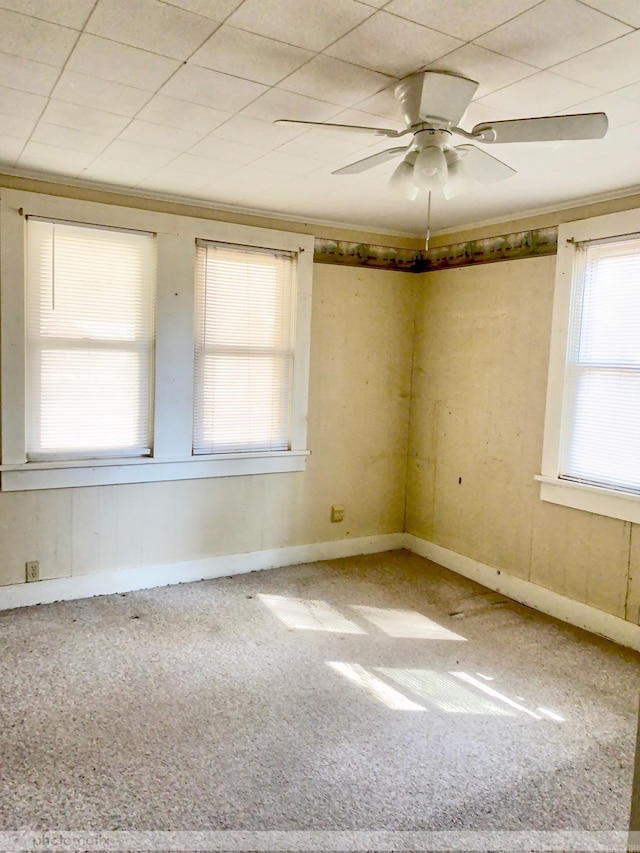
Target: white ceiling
177, 97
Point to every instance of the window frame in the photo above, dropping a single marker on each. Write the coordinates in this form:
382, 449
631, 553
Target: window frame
553, 489
172, 456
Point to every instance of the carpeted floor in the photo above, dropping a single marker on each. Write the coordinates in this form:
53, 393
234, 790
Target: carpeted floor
299, 698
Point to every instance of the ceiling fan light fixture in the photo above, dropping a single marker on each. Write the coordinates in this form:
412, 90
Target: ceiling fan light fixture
430, 171
401, 181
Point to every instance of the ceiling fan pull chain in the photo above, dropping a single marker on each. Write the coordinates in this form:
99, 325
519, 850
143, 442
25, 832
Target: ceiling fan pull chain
426, 242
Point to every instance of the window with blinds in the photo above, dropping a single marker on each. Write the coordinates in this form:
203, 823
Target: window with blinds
244, 348
90, 338
600, 441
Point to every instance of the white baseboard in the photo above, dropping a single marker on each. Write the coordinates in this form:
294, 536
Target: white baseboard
549, 602
146, 577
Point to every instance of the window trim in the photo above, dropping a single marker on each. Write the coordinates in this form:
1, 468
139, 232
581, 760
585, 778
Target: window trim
553, 489
173, 396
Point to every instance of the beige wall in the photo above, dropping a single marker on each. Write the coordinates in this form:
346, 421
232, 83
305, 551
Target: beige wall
479, 385
358, 424
478, 339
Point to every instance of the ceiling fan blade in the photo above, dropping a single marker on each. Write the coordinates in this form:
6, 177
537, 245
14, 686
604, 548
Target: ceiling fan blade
369, 162
545, 129
320, 125
485, 168
470, 167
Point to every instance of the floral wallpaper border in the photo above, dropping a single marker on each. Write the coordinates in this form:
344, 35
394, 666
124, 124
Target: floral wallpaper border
506, 247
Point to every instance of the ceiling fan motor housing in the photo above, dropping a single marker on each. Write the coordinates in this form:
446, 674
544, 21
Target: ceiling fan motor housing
432, 138
436, 97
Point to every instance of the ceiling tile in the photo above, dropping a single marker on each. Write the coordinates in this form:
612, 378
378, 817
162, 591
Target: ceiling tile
264, 134
583, 183
226, 151
533, 36
620, 111
33, 77
10, 149
304, 23
120, 172
155, 26
49, 158
21, 104
147, 155
192, 164
70, 13
217, 187
479, 112
336, 81
542, 94
319, 195
320, 145
608, 67
212, 88
631, 92
218, 182
20, 128
384, 104
176, 184
34, 39
392, 45
288, 164
171, 138
87, 91
217, 10
251, 180
245, 160
491, 70
120, 63
627, 11
174, 112
618, 144
84, 118
454, 18
250, 56
276, 103
68, 137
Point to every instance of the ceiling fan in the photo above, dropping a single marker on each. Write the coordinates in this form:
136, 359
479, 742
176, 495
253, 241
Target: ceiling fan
433, 102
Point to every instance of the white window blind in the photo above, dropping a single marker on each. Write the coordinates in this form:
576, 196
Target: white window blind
90, 318
244, 348
601, 423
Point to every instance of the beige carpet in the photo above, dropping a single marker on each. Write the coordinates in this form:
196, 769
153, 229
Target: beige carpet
377, 692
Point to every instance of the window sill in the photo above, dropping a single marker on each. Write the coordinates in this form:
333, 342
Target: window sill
106, 472
595, 499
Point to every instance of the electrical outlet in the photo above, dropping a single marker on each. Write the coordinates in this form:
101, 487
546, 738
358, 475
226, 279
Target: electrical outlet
33, 571
337, 512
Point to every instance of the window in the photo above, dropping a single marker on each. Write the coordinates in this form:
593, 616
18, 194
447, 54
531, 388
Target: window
90, 307
601, 440
244, 348
105, 375
592, 435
